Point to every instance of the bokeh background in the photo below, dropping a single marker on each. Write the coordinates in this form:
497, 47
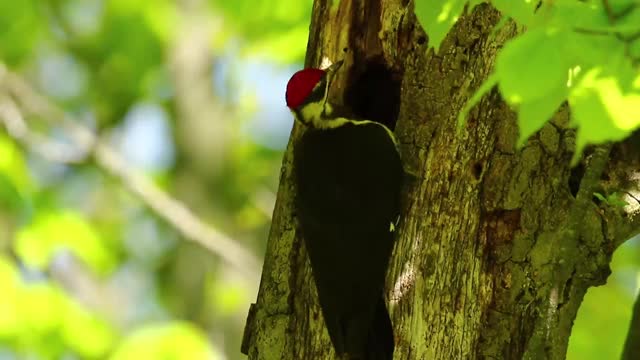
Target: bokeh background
140, 150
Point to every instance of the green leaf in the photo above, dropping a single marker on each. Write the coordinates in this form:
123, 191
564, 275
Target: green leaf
571, 15
10, 197
15, 181
586, 25
618, 87
10, 320
607, 307
587, 50
522, 11
532, 115
629, 25
20, 29
602, 109
278, 47
264, 25
51, 232
13, 165
486, 86
225, 296
617, 200
40, 318
176, 341
125, 52
159, 15
532, 65
41, 307
437, 17
88, 335
634, 49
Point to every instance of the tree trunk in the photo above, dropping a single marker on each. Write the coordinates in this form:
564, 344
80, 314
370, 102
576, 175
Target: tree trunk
496, 247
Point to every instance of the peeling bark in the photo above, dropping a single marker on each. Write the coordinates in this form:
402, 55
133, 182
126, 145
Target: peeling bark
494, 251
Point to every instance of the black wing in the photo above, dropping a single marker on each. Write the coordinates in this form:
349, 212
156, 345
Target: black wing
348, 181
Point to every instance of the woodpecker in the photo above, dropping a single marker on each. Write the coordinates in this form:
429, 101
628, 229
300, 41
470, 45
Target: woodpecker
348, 176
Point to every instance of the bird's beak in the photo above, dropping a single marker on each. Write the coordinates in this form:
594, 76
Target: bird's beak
331, 72
335, 66
333, 69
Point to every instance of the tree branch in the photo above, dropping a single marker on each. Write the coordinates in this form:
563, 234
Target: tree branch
85, 142
13, 121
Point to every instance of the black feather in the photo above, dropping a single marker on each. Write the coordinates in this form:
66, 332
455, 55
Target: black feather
348, 193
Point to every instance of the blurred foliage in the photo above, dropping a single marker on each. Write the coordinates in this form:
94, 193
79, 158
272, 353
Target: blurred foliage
175, 341
603, 319
52, 230
270, 26
15, 184
20, 28
40, 319
86, 270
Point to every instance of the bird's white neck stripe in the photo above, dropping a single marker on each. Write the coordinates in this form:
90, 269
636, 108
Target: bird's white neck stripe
308, 116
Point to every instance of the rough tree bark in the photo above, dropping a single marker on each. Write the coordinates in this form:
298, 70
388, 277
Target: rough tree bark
497, 246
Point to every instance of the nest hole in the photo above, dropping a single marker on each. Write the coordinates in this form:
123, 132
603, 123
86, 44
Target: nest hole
374, 93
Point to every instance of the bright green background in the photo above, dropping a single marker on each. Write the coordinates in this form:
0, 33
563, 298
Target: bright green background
85, 268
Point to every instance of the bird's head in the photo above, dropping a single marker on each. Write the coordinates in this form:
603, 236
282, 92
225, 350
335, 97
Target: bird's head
307, 93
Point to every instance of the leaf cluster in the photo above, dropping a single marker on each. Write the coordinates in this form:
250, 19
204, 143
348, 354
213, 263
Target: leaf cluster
586, 53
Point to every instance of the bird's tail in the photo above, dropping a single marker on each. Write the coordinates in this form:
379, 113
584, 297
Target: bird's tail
380, 341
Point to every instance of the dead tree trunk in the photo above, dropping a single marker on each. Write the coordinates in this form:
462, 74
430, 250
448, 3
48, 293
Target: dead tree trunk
496, 247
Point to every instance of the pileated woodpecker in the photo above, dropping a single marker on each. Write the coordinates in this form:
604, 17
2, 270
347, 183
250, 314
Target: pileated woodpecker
348, 176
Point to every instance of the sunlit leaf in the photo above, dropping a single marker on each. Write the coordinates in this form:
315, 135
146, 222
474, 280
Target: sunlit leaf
85, 333
522, 11
40, 318
603, 108
41, 307
50, 232
226, 297
616, 199
279, 46
159, 15
532, 66
264, 25
606, 307
15, 182
533, 114
176, 341
9, 281
438, 17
